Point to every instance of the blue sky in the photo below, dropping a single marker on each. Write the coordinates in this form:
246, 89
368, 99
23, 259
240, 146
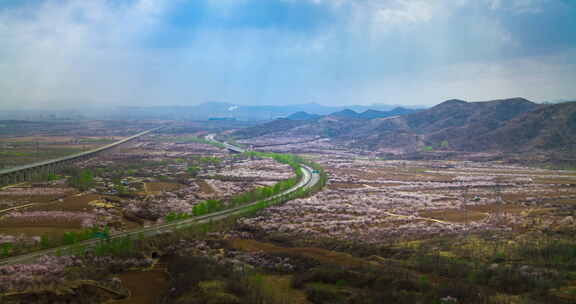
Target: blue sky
183, 52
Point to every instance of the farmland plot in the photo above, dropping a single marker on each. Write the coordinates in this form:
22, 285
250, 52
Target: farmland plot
373, 200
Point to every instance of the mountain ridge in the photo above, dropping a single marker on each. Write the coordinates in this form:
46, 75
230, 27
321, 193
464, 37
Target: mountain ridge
513, 124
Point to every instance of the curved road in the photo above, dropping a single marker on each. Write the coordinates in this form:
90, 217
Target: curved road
309, 179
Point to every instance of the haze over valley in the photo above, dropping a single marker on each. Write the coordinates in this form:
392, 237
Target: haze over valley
287, 151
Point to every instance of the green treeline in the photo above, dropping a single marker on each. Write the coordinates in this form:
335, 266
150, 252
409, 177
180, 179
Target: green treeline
261, 193
86, 234
81, 179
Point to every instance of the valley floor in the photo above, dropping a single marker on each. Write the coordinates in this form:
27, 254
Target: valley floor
381, 231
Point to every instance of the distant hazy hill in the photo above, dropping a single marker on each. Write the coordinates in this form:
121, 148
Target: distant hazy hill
204, 111
371, 114
303, 116
337, 124
234, 111
514, 124
346, 113
277, 126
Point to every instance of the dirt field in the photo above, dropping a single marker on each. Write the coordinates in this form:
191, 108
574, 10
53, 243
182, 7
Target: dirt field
161, 187
204, 187
145, 287
48, 231
70, 203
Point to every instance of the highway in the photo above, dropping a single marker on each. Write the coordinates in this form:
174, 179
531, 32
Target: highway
74, 156
228, 146
308, 180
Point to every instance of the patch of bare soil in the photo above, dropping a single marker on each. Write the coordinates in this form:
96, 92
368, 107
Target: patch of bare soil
556, 180
337, 186
30, 199
17, 224
204, 187
160, 186
146, 287
499, 208
394, 175
70, 203
455, 215
52, 232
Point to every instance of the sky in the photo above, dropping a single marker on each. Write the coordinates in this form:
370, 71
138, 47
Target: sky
72, 53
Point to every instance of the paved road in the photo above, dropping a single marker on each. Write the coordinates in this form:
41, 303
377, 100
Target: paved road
309, 179
75, 156
228, 146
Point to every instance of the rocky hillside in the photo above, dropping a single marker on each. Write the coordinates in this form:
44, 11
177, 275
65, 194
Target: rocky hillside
462, 123
508, 125
335, 125
551, 127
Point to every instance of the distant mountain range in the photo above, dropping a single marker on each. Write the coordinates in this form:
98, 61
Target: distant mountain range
514, 124
234, 111
204, 111
240, 112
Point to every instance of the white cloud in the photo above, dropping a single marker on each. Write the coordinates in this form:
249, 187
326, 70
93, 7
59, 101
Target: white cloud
57, 50
537, 78
519, 6
92, 51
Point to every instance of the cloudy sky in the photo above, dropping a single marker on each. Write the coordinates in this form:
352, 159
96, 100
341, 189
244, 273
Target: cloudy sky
334, 52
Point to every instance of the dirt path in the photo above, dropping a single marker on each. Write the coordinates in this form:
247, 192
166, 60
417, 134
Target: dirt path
16, 208
416, 218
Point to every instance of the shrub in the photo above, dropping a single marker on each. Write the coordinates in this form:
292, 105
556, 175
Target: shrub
321, 293
323, 274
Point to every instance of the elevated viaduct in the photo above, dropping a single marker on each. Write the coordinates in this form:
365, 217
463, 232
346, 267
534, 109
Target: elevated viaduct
27, 172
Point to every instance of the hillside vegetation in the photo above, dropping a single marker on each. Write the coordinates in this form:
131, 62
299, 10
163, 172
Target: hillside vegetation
505, 125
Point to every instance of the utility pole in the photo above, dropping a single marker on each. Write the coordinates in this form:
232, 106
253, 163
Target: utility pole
499, 201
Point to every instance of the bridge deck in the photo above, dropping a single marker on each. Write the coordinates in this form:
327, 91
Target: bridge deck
74, 156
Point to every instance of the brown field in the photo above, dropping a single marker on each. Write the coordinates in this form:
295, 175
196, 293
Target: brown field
48, 231
38, 199
145, 287
454, 215
204, 187
11, 223
70, 203
556, 180
161, 187
345, 186
397, 175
